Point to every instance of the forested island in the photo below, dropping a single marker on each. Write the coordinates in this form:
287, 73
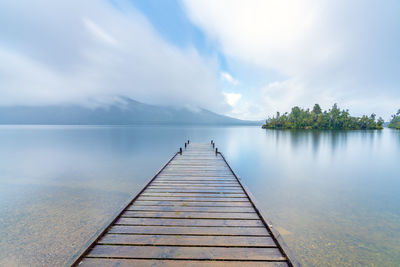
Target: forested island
333, 119
395, 122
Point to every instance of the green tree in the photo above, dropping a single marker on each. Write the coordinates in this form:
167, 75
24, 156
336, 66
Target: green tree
335, 118
395, 122
317, 109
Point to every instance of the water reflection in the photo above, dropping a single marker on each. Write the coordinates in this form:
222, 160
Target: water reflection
337, 186
333, 194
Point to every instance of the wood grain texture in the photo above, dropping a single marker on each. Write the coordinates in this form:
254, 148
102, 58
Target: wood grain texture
95, 262
196, 253
192, 215
173, 221
182, 230
192, 203
229, 210
180, 240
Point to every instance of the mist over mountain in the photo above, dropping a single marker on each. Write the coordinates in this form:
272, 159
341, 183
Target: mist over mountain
126, 112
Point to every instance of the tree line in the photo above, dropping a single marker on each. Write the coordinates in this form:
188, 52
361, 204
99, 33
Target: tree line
333, 119
395, 122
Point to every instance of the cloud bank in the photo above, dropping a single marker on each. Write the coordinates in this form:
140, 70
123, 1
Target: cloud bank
322, 51
90, 52
265, 55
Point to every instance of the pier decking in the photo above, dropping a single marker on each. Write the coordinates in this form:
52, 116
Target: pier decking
194, 212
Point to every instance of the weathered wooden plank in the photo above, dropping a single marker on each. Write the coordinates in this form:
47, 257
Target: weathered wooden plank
191, 185
184, 190
187, 163
180, 184
185, 159
202, 196
206, 163
199, 187
189, 214
193, 170
191, 209
192, 204
99, 262
198, 157
211, 178
196, 185
202, 177
185, 182
182, 230
197, 173
186, 222
207, 167
162, 194
192, 162
195, 180
189, 181
187, 178
198, 253
193, 199
177, 240
198, 168
198, 177
203, 161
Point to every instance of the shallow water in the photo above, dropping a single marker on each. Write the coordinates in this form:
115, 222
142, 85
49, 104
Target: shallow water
334, 196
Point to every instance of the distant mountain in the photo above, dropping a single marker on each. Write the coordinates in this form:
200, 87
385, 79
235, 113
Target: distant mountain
127, 112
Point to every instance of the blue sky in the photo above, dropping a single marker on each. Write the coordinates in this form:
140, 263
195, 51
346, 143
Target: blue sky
245, 59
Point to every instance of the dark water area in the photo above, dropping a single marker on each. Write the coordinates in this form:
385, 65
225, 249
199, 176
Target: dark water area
334, 196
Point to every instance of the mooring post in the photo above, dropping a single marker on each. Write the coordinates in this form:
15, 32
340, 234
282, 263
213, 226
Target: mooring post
216, 151
180, 150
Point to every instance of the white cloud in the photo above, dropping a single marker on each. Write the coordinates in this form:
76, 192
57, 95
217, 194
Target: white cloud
228, 78
268, 33
232, 98
98, 32
282, 96
91, 51
248, 111
323, 50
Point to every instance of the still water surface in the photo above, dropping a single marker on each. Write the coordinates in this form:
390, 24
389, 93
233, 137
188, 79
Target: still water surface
334, 196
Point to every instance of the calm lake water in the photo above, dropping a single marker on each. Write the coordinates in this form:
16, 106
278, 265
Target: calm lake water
334, 196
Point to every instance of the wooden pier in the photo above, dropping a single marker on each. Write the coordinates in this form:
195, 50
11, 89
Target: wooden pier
193, 212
